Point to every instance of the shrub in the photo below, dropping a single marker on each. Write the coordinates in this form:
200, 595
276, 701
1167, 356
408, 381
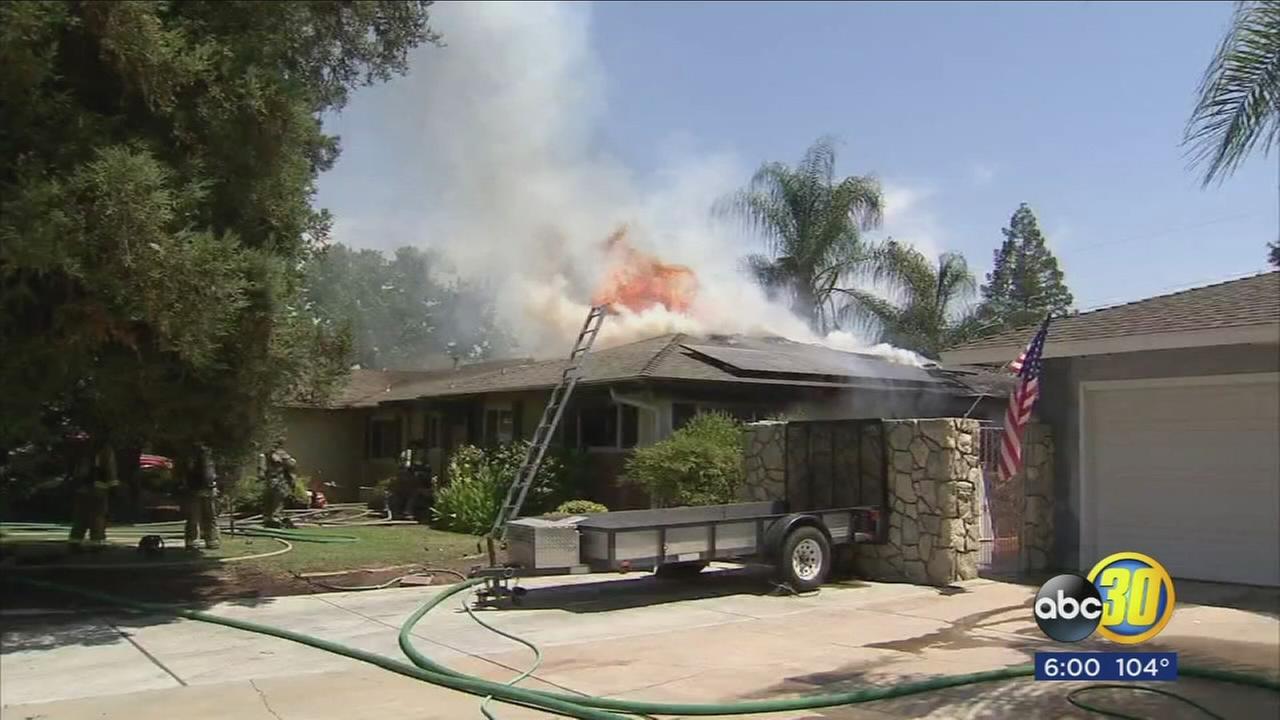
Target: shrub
700, 464
580, 507
478, 482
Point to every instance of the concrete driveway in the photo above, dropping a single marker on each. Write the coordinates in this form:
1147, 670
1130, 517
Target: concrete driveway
721, 637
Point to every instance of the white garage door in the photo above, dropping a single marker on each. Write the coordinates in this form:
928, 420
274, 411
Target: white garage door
1186, 470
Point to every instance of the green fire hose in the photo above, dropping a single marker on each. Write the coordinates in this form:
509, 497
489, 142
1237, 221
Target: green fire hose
600, 708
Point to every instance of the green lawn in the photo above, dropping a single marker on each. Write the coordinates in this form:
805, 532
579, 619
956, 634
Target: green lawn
378, 546
180, 577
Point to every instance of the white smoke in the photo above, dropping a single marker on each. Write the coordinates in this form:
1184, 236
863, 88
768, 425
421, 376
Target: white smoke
520, 195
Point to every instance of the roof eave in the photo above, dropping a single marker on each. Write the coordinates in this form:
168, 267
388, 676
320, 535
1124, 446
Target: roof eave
1263, 334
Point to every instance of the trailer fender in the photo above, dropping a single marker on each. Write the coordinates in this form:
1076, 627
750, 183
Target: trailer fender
776, 534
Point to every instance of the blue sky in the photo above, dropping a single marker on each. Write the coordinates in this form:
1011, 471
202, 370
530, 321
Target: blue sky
963, 110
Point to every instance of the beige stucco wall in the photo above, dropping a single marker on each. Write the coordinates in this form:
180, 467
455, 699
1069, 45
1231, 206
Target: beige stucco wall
329, 447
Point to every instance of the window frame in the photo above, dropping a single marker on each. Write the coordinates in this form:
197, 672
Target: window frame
379, 430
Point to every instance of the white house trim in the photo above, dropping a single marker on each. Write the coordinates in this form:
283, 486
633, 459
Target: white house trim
1245, 335
1088, 513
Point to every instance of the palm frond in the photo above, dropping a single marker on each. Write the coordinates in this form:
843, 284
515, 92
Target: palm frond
955, 282
904, 272
761, 213
771, 274
866, 311
860, 199
818, 166
966, 327
1239, 96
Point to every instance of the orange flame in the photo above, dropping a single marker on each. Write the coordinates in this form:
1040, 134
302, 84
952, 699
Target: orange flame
638, 281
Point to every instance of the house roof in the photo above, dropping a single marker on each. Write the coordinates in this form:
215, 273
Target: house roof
1233, 312
680, 357
367, 388
362, 389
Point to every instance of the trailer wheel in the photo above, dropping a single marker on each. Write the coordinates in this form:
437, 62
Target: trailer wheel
805, 561
679, 571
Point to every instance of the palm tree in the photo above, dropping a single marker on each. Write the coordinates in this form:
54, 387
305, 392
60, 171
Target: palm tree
1239, 105
926, 307
812, 226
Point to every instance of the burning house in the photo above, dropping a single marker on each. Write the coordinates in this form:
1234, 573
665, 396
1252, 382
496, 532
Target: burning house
633, 391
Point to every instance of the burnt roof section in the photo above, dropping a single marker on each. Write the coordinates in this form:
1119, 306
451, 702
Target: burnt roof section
680, 357
765, 358
982, 381
1249, 301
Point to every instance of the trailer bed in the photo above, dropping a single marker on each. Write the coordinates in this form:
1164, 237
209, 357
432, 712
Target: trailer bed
640, 539
632, 519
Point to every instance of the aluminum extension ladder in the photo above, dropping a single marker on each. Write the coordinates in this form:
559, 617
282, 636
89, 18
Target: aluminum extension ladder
551, 414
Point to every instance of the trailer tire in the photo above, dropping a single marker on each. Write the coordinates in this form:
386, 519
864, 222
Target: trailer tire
805, 561
679, 571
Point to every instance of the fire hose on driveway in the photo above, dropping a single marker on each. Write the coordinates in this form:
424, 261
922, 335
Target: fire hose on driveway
604, 708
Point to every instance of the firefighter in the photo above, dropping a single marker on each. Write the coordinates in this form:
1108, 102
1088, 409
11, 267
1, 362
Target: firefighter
276, 469
413, 483
201, 499
94, 474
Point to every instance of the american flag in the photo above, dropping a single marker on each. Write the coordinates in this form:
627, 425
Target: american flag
1023, 399
146, 461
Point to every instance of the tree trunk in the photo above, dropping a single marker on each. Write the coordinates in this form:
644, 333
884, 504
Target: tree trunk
131, 481
806, 306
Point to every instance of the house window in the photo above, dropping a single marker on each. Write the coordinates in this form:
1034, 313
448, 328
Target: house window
630, 422
384, 438
609, 426
499, 427
744, 414
431, 430
598, 426
681, 414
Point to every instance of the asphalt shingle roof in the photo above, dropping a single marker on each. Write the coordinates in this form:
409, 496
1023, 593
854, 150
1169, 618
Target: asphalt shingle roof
1249, 301
367, 388
666, 357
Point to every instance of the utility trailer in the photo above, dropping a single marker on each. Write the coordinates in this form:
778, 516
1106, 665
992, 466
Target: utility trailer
677, 542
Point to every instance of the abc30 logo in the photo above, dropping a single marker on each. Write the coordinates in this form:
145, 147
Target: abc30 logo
1127, 598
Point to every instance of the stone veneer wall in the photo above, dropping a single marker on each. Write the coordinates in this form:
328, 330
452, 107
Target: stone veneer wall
764, 458
814, 464
932, 501
934, 472
1037, 490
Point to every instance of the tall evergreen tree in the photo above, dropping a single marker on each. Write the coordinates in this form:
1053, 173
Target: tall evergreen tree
1025, 281
157, 168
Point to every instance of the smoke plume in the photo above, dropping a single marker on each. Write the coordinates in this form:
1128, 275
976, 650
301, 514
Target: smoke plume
521, 196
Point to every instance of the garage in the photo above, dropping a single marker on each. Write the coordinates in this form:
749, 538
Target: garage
1165, 418
1186, 470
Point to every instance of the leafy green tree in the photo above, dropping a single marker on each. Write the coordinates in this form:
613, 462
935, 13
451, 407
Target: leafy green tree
1025, 282
1239, 97
157, 167
400, 314
700, 464
812, 225
927, 306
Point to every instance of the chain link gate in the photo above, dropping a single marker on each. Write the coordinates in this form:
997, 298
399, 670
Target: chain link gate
1000, 530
